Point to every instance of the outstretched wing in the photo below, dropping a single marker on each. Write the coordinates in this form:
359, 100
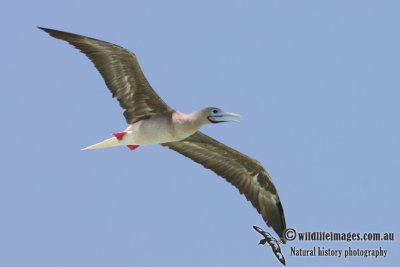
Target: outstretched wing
245, 173
122, 74
262, 232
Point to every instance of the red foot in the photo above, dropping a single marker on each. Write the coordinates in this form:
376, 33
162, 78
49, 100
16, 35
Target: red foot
132, 147
119, 136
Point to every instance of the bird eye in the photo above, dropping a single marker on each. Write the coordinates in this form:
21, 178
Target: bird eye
215, 111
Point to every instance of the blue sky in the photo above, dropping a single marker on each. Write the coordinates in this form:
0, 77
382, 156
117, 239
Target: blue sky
317, 83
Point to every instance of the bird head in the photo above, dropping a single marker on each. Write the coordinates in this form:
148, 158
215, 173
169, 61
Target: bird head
216, 115
262, 241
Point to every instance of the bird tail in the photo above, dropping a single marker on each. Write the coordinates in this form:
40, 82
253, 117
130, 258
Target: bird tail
110, 142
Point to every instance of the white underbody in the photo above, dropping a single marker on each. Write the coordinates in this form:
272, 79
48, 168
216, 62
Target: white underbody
155, 130
147, 133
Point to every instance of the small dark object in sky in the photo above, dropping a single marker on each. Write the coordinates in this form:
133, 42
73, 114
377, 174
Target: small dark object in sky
268, 238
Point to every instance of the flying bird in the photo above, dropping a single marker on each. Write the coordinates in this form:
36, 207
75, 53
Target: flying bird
151, 121
268, 238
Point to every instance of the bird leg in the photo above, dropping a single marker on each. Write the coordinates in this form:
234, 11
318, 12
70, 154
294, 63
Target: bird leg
132, 147
119, 136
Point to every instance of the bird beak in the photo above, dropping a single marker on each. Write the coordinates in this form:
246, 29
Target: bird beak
225, 117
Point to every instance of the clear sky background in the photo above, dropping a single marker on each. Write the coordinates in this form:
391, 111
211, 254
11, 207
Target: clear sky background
317, 83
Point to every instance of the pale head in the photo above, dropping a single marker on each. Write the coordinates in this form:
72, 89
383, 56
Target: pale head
216, 115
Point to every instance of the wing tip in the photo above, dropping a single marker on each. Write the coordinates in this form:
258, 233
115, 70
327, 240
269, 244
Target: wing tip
280, 225
45, 29
54, 33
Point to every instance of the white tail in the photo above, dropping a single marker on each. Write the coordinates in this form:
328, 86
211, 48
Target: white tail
106, 143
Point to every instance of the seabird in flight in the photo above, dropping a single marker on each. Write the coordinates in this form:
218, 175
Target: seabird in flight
151, 121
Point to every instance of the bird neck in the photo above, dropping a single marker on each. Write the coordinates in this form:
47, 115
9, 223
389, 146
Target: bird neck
189, 122
198, 118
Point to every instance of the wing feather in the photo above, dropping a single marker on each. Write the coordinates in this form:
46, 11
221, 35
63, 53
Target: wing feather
243, 172
121, 73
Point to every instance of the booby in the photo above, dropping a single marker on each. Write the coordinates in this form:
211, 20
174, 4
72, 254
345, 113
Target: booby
151, 121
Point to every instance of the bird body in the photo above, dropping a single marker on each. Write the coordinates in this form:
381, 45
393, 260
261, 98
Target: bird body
158, 129
151, 121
